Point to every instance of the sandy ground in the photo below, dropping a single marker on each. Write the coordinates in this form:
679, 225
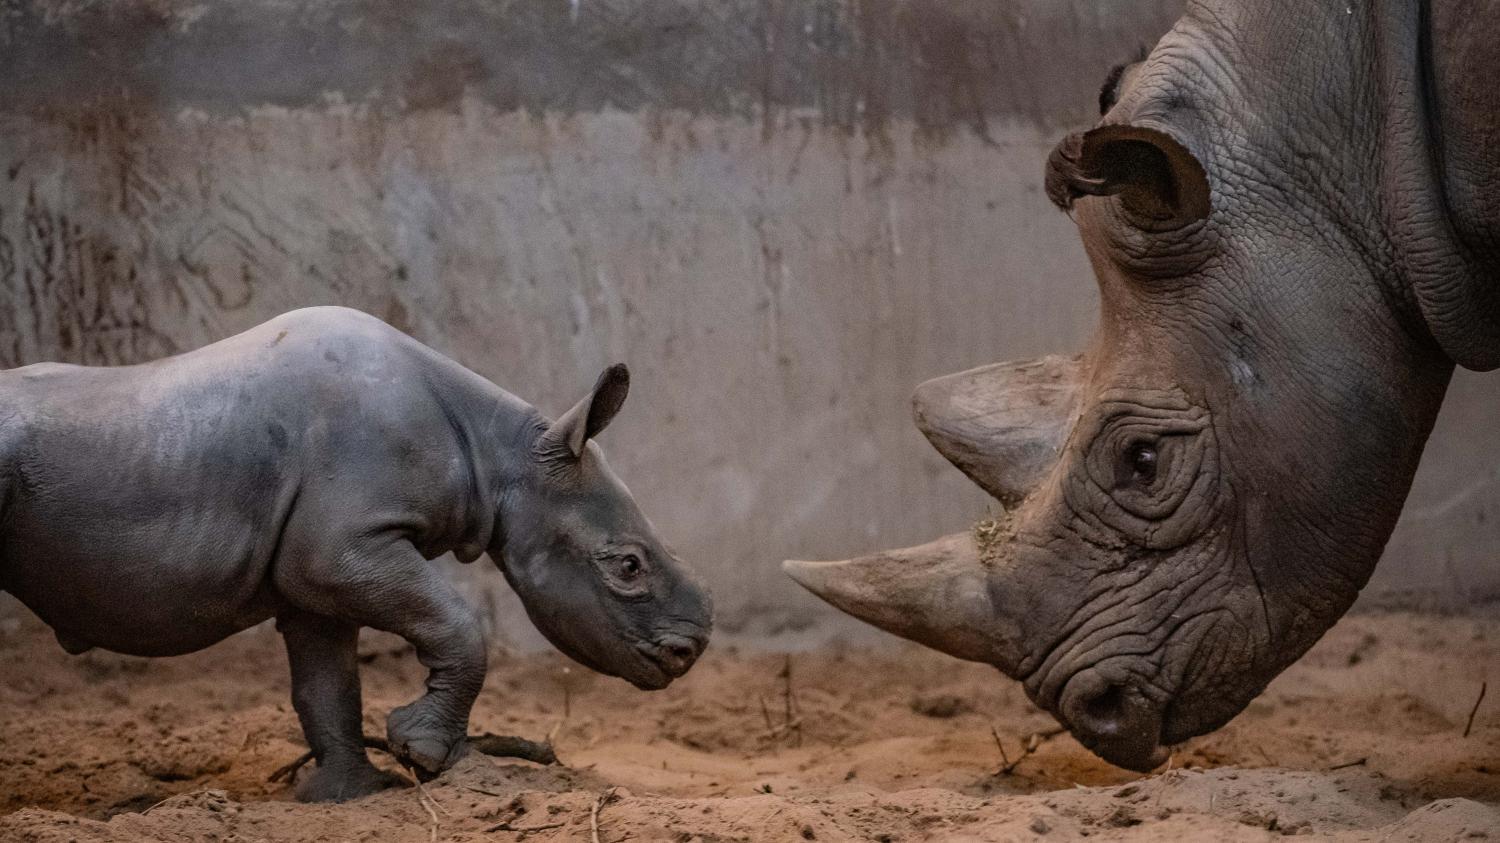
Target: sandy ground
1363, 740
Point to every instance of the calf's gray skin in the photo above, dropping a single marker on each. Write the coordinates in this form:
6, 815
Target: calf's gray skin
310, 469
1290, 207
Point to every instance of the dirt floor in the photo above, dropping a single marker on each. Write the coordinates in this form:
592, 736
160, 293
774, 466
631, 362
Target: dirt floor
1362, 740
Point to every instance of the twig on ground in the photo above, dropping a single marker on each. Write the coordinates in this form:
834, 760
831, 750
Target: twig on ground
789, 728
1358, 762
501, 746
594, 813
1483, 686
1263, 754
521, 829
1004, 759
286, 771
791, 719
422, 798
508, 746
1028, 746
427, 793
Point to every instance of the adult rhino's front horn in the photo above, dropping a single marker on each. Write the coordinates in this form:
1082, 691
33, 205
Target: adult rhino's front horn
1003, 426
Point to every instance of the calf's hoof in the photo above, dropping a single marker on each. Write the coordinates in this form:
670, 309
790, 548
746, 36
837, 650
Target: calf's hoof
344, 782
423, 742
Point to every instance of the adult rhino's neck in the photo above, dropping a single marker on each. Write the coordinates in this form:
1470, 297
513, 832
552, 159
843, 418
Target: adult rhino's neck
1439, 167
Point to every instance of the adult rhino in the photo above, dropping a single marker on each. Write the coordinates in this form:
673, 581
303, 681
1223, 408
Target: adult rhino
1290, 209
310, 469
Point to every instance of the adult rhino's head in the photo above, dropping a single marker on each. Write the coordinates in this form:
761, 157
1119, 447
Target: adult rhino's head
1203, 493
589, 567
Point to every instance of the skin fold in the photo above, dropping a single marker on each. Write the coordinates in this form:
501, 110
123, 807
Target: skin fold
1283, 206
309, 470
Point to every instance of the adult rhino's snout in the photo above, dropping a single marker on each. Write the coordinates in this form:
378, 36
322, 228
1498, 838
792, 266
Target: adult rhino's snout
1114, 720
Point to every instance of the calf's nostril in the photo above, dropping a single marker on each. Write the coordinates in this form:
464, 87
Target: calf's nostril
677, 653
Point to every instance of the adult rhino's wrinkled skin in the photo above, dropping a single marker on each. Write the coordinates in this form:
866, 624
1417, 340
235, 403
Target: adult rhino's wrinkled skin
309, 469
1290, 210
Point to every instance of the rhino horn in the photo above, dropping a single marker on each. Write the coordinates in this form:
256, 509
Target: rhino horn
936, 594
1003, 424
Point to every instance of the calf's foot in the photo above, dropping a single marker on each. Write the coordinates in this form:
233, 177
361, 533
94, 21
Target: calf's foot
425, 740
342, 782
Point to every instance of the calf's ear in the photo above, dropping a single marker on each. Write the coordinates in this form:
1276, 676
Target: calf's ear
589, 416
1159, 181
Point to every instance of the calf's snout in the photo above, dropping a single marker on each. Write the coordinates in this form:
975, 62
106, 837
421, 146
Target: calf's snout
676, 652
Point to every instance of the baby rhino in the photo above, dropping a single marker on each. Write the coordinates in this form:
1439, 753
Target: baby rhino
309, 470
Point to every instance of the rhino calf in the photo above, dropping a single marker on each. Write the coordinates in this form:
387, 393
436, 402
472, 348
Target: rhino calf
309, 470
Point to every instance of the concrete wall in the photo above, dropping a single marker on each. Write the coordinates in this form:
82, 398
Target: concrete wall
783, 215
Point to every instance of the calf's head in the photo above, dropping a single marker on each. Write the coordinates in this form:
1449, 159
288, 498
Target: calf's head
1202, 494
593, 574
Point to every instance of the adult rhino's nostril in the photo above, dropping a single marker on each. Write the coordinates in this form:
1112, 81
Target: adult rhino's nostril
1114, 720
1106, 712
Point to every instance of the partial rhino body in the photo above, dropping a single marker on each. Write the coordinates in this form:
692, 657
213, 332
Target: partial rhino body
1291, 211
309, 469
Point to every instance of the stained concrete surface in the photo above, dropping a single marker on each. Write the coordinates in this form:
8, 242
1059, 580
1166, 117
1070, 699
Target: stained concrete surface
782, 216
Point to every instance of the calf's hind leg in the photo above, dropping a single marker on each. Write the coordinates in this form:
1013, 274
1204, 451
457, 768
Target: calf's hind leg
325, 691
387, 585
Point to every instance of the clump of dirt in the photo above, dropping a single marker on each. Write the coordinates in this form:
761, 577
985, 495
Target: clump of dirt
893, 744
992, 534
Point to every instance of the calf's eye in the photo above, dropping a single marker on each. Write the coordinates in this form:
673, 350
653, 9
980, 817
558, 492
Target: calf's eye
630, 566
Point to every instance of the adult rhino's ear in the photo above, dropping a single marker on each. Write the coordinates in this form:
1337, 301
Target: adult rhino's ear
589, 416
1156, 177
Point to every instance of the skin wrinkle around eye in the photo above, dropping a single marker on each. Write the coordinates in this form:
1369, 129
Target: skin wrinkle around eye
1128, 416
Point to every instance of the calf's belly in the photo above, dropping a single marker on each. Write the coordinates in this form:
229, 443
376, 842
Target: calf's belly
145, 604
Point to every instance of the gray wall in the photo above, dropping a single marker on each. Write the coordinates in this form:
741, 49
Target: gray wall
783, 215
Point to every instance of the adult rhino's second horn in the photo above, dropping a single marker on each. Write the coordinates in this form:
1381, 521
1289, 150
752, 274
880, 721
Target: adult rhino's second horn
936, 594
1003, 424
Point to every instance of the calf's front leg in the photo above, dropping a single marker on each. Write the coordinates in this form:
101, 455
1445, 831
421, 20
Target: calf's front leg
387, 585
322, 655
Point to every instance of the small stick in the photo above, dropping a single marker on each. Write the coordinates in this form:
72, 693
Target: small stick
427, 793
431, 831
1030, 745
1358, 762
594, 813
791, 722
502, 746
507, 746
788, 728
1004, 759
521, 829
766, 713
1483, 686
1263, 754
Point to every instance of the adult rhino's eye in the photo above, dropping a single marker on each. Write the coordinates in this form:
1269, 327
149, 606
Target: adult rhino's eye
630, 566
1143, 460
